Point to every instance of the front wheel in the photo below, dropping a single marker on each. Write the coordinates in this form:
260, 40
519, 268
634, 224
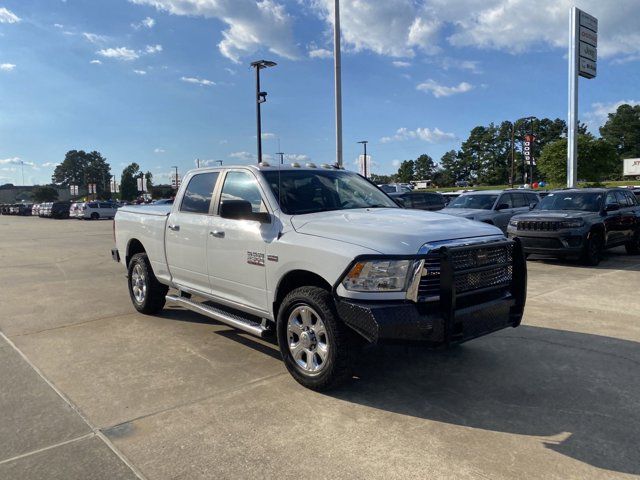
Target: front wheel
593, 250
147, 294
318, 349
95, 216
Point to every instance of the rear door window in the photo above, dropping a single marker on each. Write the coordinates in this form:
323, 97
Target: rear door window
519, 200
611, 199
418, 200
631, 198
622, 199
197, 196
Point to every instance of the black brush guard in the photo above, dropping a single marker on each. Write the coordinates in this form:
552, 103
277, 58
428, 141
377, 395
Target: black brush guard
453, 318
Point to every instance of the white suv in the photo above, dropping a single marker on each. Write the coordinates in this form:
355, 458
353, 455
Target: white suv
98, 210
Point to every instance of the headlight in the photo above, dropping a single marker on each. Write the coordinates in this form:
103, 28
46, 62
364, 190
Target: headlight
378, 276
513, 223
577, 223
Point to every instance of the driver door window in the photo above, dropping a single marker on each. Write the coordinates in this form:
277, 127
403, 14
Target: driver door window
243, 186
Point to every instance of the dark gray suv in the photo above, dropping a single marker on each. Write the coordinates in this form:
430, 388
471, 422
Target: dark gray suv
492, 206
580, 222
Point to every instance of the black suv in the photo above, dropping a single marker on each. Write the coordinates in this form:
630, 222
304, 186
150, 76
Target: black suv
580, 222
419, 200
60, 209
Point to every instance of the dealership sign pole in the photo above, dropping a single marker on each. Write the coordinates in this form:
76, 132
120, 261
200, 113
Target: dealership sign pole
583, 56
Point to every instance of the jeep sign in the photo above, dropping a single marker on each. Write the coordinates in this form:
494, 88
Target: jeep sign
631, 167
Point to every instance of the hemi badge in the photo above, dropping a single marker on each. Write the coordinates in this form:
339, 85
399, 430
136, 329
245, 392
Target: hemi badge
272, 258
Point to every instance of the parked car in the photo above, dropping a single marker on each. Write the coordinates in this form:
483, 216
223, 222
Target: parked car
580, 222
492, 206
321, 260
75, 210
45, 209
394, 188
98, 210
35, 209
60, 210
24, 209
419, 200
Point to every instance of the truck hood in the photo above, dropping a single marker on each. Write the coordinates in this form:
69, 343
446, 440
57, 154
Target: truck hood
392, 231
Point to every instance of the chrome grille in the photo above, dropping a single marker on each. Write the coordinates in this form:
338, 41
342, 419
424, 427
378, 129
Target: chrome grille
467, 278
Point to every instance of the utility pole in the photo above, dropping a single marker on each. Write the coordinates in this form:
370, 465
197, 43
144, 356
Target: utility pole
261, 97
338, 81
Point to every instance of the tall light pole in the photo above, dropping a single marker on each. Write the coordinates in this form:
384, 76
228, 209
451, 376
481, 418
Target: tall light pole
22, 168
281, 157
219, 162
338, 81
261, 97
364, 162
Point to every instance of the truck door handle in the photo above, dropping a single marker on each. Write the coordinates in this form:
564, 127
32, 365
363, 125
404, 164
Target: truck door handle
217, 233
175, 228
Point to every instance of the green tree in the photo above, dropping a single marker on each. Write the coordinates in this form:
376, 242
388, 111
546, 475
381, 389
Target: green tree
82, 168
44, 193
424, 167
129, 182
406, 172
622, 130
597, 160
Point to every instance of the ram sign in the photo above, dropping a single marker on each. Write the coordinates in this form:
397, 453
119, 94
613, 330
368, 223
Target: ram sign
632, 167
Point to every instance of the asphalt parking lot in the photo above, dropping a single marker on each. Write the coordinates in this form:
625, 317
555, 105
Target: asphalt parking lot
90, 389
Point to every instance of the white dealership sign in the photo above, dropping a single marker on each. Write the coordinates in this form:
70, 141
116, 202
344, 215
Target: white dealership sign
631, 167
587, 45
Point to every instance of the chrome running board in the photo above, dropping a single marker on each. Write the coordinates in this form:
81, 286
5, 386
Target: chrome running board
228, 318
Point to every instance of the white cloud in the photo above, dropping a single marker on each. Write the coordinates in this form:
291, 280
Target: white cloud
151, 49
17, 161
600, 111
320, 53
244, 156
140, 72
58, 25
251, 24
147, 22
425, 134
95, 62
268, 136
396, 163
439, 90
296, 157
397, 28
94, 37
50, 164
121, 53
401, 64
7, 67
472, 66
159, 150
7, 16
231, 71
206, 163
203, 82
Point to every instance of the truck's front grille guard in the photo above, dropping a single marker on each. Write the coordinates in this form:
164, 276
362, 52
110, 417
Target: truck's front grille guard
447, 300
457, 265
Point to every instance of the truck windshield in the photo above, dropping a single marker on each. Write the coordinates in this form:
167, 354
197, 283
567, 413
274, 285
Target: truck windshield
480, 202
311, 191
585, 201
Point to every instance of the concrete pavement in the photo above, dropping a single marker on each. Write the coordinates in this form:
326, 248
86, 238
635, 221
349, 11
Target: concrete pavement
179, 396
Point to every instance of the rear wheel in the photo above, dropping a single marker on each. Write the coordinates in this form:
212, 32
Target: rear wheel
593, 250
318, 349
95, 216
147, 294
633, 246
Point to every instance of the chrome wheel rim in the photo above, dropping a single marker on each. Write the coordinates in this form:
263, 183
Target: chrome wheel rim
307, 339
138, 284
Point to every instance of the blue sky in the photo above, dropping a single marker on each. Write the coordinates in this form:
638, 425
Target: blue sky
163, 82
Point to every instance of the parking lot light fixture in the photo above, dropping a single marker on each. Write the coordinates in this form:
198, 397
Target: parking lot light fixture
261, 97
364, 161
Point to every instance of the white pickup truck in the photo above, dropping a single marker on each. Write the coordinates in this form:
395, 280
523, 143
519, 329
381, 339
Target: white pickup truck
321, 259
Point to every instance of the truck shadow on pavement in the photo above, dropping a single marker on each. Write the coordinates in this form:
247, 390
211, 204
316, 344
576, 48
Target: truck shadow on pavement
583, 390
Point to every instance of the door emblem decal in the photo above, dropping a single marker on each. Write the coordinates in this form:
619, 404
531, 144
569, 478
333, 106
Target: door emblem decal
255, 258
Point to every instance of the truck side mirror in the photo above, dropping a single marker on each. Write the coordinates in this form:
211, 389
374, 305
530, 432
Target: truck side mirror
502, 206
242, 210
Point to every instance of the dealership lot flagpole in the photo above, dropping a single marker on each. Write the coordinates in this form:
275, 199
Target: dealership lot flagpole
338, 82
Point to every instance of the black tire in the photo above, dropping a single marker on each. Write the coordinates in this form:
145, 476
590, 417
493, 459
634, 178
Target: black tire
633, 246
593, 250
95, 216
342, 345
154, 297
